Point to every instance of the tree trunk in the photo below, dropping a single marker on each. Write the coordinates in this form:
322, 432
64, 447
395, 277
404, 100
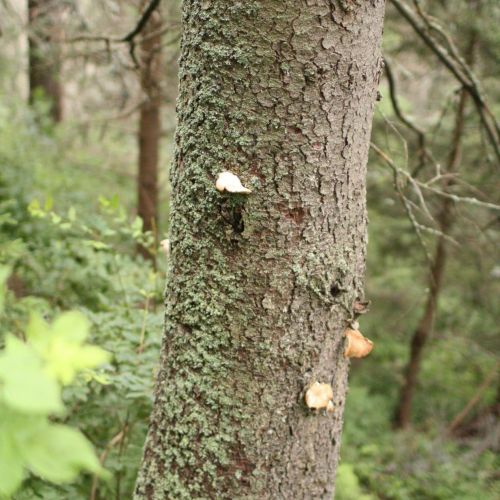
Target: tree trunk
261, 287
44, 54
445, 219
150, 128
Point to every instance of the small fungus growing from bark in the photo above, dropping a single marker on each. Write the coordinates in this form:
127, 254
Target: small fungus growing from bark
320, 396
357, 346
227, 181
165, 247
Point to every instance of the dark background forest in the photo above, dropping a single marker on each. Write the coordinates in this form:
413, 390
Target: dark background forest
87, 123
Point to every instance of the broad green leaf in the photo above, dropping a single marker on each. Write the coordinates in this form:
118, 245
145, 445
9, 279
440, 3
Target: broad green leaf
66, 359
37, 331
72, 326
25, 385
60, 453
91, 356
11, 465
61, 345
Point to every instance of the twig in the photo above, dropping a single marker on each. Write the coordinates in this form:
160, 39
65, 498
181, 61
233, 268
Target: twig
425, 185
475, 399
459, 69
423, 151
104, 455
404, 200
130, 37
153, 4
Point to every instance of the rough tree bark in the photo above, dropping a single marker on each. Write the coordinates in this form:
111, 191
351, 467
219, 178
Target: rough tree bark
150, 127
44, 54
445, 219
261, 287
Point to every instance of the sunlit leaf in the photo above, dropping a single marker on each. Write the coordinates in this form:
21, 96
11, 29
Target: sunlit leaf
72, 326
25, 386
37, 331
11, 465
59, 453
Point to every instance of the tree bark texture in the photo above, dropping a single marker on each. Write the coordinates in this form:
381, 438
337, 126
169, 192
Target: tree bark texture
261, 288
44, 54
150, 127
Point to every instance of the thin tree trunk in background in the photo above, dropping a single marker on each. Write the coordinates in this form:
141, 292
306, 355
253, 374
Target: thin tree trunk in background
150, 128
281, 94
445, 220
44, 17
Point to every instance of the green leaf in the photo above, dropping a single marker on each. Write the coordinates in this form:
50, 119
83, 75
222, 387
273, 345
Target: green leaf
72, 214
11, 465
61, 345
37, 331
26, 386
35, 210
56, 219
97, 245
60, 453
4, 275
72, 326
66, 359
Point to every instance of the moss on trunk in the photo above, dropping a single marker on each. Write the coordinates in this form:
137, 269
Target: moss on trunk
280, 93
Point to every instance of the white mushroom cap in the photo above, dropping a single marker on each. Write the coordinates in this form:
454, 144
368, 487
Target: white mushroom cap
165, 246
227, 181
320, 396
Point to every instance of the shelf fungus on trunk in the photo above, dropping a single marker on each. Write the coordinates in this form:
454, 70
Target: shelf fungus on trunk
357, 345
227, 181
165, 247
320, 396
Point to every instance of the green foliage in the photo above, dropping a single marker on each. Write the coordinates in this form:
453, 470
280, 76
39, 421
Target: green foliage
380, 463
347, 484
59, 253
32, 374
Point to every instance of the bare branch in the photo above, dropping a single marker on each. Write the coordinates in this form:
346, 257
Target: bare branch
457, 66
130, 37
148, 11
475, 399
423, 151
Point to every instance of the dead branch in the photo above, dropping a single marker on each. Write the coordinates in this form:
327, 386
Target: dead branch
459, 418
456, 65
423, 152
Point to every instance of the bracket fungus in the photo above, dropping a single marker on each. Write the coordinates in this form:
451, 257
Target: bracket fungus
165, 247
357, 345
320, 396
227, 181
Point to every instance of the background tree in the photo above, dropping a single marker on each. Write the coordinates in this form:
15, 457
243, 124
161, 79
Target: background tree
151, 73
445, 219
44, 54
262, 287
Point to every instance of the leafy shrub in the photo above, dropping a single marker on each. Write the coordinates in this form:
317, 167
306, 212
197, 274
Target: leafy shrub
32, 375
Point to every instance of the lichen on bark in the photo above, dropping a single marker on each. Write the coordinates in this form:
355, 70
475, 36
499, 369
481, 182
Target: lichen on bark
280, 93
